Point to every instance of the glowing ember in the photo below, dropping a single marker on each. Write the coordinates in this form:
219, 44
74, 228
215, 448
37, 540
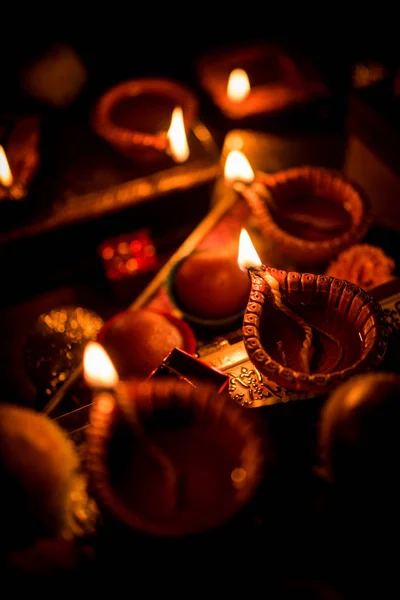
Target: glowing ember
238, 85
6, 178
178, 144
98, 368
238, 168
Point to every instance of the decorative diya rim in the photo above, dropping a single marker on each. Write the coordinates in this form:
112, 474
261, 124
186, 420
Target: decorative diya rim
125, 137
189, 339
146, 395
196, 320
365, 313
309, 249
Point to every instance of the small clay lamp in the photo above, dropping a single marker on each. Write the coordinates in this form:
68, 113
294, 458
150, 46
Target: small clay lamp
138, 340
311, 214
307, 332
19, 159
208, 287
135, 118
141, 475
257, 80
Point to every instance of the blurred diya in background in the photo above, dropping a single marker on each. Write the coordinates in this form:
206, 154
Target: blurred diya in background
365, 265
307, 332
147, 119
19, 158
139, 473
311, 214
257, 80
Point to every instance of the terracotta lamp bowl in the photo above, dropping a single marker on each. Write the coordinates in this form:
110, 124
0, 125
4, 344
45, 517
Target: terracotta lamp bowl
134, 116
315, 213
218, 438
349, 331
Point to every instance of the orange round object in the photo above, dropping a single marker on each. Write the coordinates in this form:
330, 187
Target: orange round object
212, 286
137, 341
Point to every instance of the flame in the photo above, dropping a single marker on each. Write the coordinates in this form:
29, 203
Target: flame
238, 168
238, 85
247, 255
6, 178
176, 134
98, 368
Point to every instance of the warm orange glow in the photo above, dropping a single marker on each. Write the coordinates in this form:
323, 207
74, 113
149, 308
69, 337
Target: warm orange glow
247, 255
238, 168
6, 178
178, 144
98, 368
238, 85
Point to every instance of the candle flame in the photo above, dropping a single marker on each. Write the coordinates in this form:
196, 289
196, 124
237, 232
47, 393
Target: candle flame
176, 134
247, 255
97, 367
6, 178
238, 168
238, 85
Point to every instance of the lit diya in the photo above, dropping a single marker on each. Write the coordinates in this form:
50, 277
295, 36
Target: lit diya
308, 332
311, 214
19, 159
146, 119
207, 287
258, 80
164, 457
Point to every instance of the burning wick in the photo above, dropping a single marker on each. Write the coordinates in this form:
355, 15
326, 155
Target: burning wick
178, 144
6, 178
237, 170
238, 85
102, 377
249, 259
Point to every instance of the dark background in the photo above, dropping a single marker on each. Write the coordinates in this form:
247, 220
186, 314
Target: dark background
118, 41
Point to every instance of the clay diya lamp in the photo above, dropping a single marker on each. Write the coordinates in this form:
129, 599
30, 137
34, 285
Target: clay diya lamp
138, 340
309, 332
209, 289
311, 214
258, 80
135, 117
19, 158
140, 475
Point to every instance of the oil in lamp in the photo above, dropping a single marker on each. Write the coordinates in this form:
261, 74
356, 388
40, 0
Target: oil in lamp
308, 332
139, 473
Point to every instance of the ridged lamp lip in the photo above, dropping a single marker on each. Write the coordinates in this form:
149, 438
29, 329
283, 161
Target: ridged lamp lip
105, 127
374, 340
208, 407
310, 251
